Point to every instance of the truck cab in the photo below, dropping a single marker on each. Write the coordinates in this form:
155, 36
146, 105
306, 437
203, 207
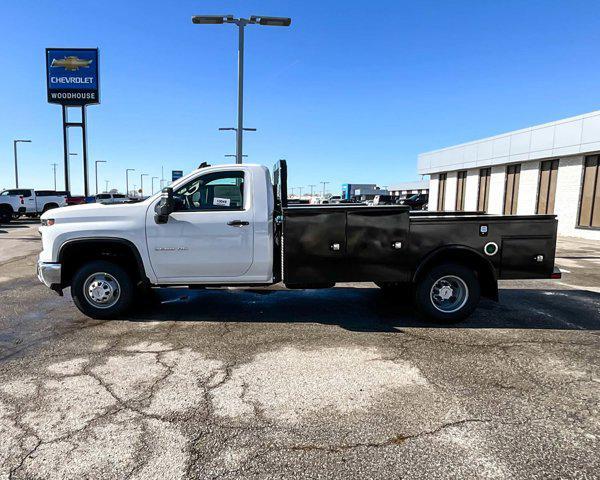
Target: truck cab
231, 225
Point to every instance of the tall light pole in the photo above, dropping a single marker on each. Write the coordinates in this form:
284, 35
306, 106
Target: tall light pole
142, 183
153, 184
300, 189
16, 161
96, 169
241, 24
127, 179
234, 156
106, 187
54, 171
311, 189
324, 184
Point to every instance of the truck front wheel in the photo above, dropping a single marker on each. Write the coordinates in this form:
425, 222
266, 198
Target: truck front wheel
102, 290
447, 293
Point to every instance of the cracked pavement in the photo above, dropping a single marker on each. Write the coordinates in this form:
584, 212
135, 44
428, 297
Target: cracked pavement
269, 383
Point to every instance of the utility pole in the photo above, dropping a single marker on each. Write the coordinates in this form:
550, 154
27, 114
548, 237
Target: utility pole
311, 189
54, 171
96, 169
324, 184
241, 24
127, 179
16, 161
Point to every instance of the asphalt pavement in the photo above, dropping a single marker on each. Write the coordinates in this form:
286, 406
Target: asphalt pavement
269, 383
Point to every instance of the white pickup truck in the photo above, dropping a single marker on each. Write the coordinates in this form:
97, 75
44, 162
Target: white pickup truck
230, 225
27, 201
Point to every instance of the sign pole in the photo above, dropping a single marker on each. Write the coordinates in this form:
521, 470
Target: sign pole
85, 158
65, 118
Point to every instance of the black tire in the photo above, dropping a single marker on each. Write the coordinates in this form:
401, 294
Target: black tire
454, 277
124, 284
6, 215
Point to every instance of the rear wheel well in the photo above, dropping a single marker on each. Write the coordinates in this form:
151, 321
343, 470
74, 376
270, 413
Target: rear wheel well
73, 255
469, 258
50, 206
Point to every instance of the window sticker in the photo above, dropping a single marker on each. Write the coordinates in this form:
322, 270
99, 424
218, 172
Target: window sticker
222, 202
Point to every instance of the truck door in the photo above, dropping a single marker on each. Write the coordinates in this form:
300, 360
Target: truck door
211, 233
30, 201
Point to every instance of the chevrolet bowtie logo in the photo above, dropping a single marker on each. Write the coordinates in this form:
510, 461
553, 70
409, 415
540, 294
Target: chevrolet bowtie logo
71, 63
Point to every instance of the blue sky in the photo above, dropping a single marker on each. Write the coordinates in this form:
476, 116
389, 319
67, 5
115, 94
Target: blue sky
351, 92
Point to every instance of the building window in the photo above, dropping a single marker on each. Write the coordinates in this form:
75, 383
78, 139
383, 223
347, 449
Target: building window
484, 189
589, 210
441, 191
461, 181
511, 189
547, 187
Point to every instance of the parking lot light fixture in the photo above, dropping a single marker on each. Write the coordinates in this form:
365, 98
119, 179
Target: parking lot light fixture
241, 24
271, 21
153, 184
210, 19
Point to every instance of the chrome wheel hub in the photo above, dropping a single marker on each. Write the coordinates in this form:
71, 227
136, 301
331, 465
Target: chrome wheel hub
449, 294
446, 292
102, 290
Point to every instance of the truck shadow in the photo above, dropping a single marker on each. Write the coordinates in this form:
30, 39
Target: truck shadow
370, 310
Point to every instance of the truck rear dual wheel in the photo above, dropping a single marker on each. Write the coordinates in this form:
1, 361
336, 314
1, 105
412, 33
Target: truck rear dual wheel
447, 293
102, 290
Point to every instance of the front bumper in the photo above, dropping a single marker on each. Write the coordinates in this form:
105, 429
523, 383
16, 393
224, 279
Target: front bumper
49, 274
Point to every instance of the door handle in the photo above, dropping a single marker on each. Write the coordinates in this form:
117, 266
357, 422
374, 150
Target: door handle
237, 223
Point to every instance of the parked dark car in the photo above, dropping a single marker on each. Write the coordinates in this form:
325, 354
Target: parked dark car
416, 201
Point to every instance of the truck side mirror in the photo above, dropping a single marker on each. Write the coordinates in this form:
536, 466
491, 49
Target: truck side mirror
165, 206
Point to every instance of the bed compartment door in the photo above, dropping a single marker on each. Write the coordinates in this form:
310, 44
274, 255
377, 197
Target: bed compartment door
527, 257
314, 245
377, 245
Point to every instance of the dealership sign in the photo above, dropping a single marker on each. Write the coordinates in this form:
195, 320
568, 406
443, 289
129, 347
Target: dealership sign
72, 76
176, 175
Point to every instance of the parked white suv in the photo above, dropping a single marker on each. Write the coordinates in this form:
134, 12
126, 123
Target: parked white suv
111, 198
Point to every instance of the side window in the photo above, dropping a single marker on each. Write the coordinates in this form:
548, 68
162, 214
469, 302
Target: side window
213, 191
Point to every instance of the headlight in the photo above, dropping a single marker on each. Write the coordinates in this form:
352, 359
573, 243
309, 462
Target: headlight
47, 222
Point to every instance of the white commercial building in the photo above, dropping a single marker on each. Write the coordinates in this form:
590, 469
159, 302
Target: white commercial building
409, 188
549, 168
